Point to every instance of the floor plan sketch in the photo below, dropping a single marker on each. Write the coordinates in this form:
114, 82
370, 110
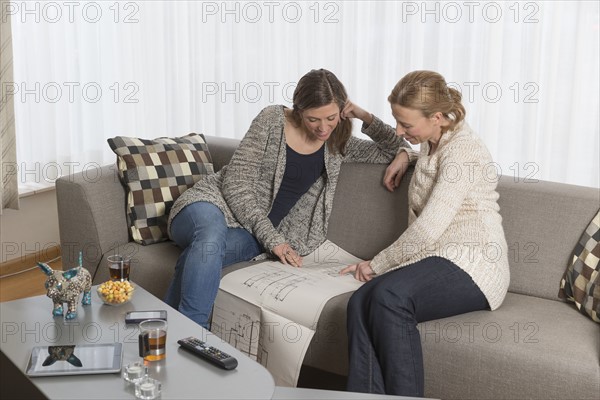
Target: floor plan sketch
285, 343
270, 310
263, 355
276, 285
280, 288
237, 322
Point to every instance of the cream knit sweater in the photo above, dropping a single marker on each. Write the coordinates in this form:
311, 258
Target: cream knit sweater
453, 213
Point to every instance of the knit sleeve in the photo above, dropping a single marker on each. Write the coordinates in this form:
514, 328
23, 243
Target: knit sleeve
381, 150
242, 174
413, 155
459, 168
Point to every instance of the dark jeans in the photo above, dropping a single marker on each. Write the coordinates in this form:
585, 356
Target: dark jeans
384, 344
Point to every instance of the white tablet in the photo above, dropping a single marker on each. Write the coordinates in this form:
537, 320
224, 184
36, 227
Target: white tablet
75, 359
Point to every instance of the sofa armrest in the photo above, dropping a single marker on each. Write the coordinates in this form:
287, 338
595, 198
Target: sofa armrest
91, 215
92, 209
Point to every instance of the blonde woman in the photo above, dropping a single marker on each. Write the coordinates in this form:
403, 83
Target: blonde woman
452, 259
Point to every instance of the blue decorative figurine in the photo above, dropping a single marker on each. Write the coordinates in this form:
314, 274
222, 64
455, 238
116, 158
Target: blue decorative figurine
65, 287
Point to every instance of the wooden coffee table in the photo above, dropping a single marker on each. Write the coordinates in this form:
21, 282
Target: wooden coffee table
28, 322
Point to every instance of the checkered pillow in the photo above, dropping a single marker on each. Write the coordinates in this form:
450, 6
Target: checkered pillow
155, 173
581, 282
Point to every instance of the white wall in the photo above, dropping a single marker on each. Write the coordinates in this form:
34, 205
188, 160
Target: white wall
32, 228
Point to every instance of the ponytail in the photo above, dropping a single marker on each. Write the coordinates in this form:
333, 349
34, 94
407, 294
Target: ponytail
428, 92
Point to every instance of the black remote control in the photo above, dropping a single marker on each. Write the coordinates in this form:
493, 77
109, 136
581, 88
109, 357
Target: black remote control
209, 353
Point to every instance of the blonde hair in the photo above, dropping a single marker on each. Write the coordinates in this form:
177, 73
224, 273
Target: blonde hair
428, 92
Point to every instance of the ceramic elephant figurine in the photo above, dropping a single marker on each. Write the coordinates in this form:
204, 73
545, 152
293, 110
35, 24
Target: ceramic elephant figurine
65, 287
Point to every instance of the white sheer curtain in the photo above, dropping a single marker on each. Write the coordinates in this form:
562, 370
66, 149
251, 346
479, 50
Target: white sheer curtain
528, 71
9, 193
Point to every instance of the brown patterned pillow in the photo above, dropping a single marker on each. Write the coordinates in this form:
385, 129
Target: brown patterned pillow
581, 281
155, 173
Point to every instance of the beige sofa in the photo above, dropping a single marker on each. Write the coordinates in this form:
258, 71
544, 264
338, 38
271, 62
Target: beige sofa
534, 346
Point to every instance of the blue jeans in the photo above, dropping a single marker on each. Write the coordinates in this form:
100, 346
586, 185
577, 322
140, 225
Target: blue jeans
385, 353
208, 246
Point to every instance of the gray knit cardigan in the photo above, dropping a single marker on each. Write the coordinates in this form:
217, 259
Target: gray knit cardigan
245, 189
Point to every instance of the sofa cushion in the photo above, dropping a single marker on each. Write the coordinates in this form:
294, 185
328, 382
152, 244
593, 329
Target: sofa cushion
155, 173
581, 282
542, 222
529, 348
365, 217
484, 353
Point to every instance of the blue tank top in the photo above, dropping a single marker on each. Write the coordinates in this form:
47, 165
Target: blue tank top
301, 171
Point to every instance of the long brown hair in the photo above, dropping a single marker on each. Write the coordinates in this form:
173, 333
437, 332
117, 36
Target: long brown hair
319, 88
428, 92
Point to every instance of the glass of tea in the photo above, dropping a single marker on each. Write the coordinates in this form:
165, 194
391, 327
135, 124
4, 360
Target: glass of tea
153, 339
119, 267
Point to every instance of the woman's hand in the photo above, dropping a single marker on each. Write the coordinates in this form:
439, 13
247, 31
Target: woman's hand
287, 255
351, 110
395, 171
361, 271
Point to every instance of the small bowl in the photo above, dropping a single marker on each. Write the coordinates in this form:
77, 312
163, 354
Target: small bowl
115, 293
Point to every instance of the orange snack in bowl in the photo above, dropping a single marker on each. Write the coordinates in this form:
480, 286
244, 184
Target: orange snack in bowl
115, 292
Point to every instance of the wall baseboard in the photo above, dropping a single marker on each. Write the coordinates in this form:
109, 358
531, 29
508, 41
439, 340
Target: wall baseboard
23, 263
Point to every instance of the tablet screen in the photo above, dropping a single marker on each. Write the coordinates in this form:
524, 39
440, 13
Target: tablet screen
75, 359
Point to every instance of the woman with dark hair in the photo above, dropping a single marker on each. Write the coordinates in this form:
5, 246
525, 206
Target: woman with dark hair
275, 196
452, 258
